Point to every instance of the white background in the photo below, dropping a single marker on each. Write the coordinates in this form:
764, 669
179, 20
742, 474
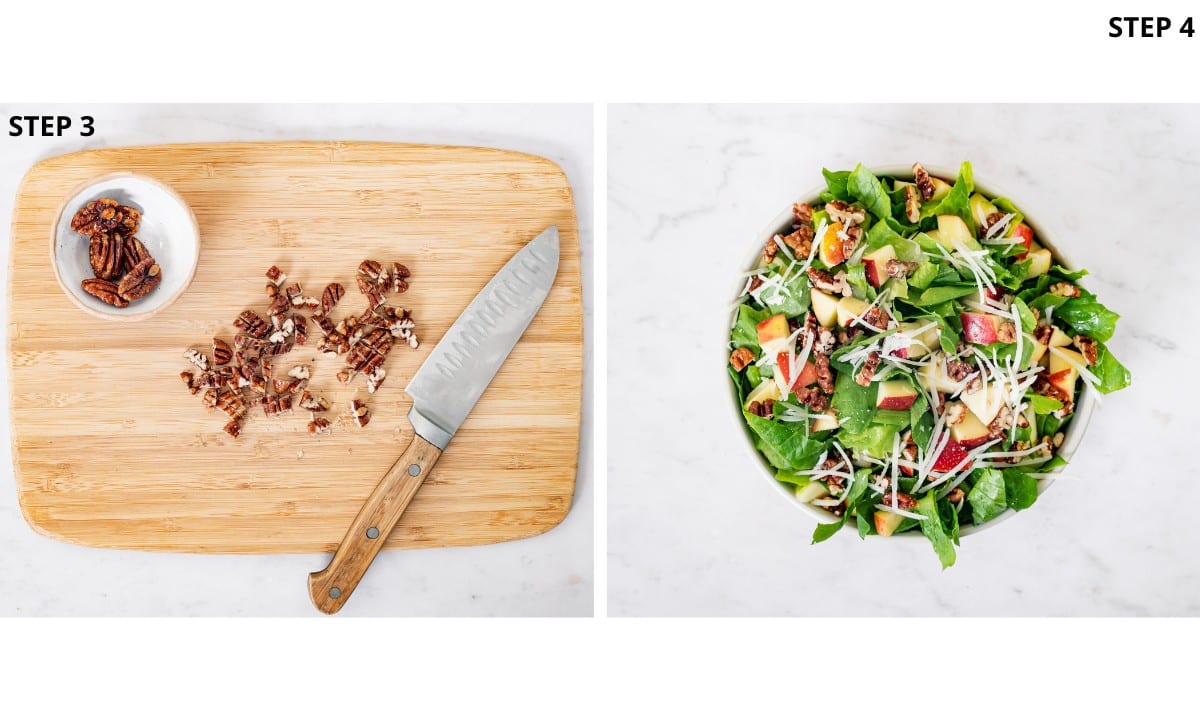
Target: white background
690, 189
550, 574
538, 50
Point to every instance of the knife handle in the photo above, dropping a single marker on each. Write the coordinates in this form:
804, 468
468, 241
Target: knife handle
331, 587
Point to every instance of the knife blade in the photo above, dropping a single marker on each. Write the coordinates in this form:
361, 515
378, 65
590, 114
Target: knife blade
443, 391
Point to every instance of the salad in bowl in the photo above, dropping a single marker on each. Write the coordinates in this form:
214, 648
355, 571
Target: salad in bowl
909, 359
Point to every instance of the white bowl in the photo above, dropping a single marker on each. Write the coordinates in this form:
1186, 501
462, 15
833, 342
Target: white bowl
168, 230
1084, 405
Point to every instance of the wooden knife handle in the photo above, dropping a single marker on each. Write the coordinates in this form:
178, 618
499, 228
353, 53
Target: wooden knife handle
331, 587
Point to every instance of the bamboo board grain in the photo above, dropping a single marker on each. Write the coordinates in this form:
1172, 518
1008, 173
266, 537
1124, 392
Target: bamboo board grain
110, 449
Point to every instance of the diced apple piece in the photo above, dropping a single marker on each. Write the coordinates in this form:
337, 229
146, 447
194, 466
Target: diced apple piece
986, 401
1062, 374
935, 377
895, 395
970, 431
829, 422
825, 307
773, 328
808, 374
886, 522
1039, 262
952, 232
925, 341
981, 207
811, 491
831, 246
1039, 350
849, 308
941, 189
1059, 338
766, 390
875, 264
1024, 234
981, 328
952, 454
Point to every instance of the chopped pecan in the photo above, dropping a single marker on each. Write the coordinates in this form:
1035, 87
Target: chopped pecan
272, 290
360, 415
826, 341
197, 358
104, 291
399, 273
924, 181
1043, 333
845, 213
233, 428
330, 296
105, 215
803, 213
845, 336
770, 250
1058, 439
189, 379
850, 237
904, 501
106, 253
813, 398
824, 372
831, 284
375, 379
800, 241
1006, 332
912, 203
900, 268
989, 224
310, 402
319, 426
231, 404
1064, 289
740, 358
301, 329
874, 316
139, 281
958, 370
867, 372
1088, 347
253, 324
1003, 420
209, 398
276, 276
955, 495
285, 385
277, 405
221, 352
300, 372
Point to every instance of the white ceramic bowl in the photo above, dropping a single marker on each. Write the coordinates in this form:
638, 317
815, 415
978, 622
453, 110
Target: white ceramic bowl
1084, 405
168, 230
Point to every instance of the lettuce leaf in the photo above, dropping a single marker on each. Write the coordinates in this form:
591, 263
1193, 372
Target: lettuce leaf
933, 529
923, 276
870, 192
1042, 404
836, 184
787, 446
1089, 317
745, 330
855, 404
792, 304
942, 293
1020, 490
987, 498
824, 531
1113, 375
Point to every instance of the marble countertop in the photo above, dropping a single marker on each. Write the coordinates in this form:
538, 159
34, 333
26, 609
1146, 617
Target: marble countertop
546, 575
693, 527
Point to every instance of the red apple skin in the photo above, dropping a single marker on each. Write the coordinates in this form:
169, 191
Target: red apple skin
907, 472
951, 456
979, 328
876, 275
901, 402
808, 374
1024, 233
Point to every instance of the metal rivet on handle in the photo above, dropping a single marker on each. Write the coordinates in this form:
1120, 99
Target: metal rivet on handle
414, 470
335, 593
373, 533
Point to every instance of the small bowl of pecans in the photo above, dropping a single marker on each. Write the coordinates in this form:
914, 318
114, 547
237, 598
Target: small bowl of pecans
124, 246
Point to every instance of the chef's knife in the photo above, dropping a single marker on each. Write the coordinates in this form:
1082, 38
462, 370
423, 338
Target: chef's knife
443, 392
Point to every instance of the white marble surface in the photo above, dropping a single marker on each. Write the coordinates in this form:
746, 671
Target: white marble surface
695, 530
547, 575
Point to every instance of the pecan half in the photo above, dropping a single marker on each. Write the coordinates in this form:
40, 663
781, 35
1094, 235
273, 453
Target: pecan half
253, 324
1064, 289
802, 212
824, 372
138, 282
221, 352
104, 291
1006, 332
770, 250
106, 253
104, 216
845, 213
330, 296
912, 203
865, 373
832, 284
900, 268
740, 358
133, 251
924, 181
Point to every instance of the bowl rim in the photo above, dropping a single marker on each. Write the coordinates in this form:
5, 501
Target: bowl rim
1084, 406
81, 188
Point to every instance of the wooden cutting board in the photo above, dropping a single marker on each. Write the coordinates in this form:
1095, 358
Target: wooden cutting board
112, 451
